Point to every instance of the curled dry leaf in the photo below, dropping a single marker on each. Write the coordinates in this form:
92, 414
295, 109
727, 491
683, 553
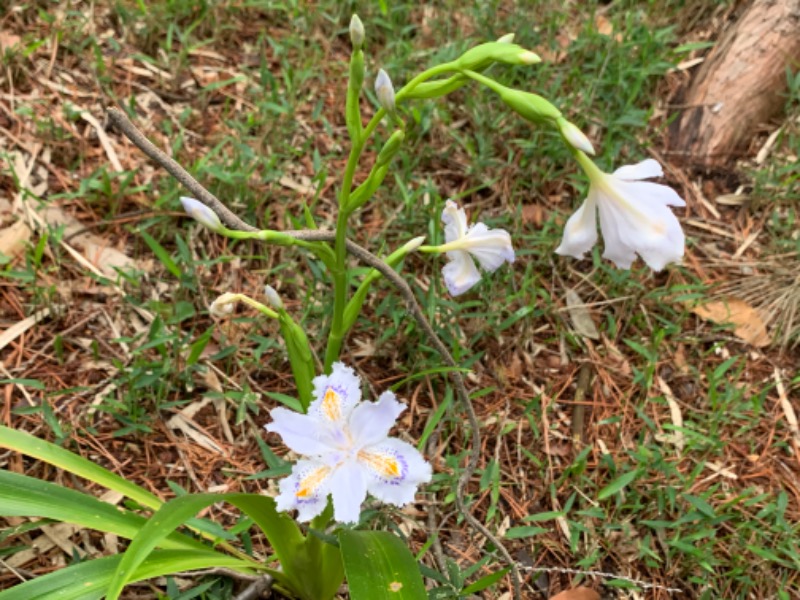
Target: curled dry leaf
578, 593
747, 322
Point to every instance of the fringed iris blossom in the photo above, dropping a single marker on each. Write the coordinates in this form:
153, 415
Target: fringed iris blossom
347, 450
491, 248
634, 217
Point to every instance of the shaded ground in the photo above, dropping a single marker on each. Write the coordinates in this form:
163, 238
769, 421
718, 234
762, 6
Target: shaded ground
583, 374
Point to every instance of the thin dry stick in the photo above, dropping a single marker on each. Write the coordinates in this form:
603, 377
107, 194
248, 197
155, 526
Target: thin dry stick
231, 221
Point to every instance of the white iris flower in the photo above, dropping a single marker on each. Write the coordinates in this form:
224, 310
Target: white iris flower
634, 217
491, 247
348, 451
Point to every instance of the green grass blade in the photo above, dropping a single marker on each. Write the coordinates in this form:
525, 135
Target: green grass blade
89, 580
23, 496
29, 445
618, 484
379, 566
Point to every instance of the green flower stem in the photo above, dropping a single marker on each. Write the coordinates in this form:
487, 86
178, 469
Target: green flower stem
339, 271
244, 299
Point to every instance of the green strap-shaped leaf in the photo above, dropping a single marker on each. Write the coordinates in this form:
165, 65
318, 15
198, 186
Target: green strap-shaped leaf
23, 496
25, 443
300, 556
89, 580
306, 575
379, 566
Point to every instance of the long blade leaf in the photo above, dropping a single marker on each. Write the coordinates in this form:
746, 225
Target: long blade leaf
23, 496
29, 445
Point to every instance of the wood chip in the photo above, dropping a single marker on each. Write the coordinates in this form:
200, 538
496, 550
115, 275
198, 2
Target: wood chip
580, 316
676, 437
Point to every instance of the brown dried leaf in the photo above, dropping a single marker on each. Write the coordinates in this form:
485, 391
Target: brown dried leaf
748, 324
8, 40
578, 593
13, 238
533, 214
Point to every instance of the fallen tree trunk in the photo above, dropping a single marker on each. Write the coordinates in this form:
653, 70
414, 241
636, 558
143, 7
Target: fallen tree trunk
741, 84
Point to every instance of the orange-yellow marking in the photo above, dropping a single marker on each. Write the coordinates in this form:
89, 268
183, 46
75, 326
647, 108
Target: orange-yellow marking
332, 405
310, 483
385, 465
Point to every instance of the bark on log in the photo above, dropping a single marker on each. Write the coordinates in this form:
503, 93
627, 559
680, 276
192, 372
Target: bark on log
741, 84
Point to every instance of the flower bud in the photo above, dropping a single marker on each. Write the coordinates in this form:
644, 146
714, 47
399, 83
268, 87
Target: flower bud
574, 136
529, 106
506, 39
223, 306
390, 148
201, 213
273, 297
480, 57
356, 32
385, 91
412, 245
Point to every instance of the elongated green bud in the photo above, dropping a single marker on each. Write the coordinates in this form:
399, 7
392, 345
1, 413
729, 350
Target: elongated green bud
435, 89
352, 112
480, 57
390, 148
529, 106
364, 192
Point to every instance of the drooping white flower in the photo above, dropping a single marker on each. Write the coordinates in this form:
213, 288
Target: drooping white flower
222, 306
347, 449
491, 247
634, 217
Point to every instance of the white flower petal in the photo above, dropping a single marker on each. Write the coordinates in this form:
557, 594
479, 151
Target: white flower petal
580, 232
300, 433
646, 169
492, 247
336, 394
460, 274
349, 490
201, 213
645, 192
306, 489
394, 470
370, 422
455, 222
640, 224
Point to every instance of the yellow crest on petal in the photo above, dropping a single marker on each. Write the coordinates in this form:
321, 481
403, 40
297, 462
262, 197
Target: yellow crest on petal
332, 404
309, 484
386, 465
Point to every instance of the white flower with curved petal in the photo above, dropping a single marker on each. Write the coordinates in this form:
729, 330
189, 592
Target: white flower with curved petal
634, 217
348, 451
491, 247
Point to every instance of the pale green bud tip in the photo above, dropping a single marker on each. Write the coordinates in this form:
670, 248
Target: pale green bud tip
356, 32
529, 58
574, 136
412, 245
384, 90
506, 39
223, 306
201, 213
273, 297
